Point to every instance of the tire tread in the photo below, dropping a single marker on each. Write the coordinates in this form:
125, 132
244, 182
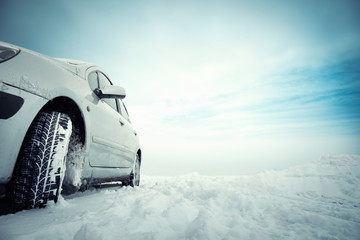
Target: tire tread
32, 185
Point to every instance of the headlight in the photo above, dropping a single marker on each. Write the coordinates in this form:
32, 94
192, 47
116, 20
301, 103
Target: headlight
7, 53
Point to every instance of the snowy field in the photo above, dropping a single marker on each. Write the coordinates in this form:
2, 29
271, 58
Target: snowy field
316, 200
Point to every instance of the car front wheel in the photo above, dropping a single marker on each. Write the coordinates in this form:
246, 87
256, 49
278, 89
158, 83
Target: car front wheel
41, 164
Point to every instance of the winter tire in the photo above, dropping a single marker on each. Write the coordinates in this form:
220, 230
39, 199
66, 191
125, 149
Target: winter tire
41, 163
134, 179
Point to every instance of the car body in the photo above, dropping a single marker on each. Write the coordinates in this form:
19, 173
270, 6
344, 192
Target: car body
30, 83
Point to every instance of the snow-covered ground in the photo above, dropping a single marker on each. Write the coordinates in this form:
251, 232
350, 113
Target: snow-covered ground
316, 200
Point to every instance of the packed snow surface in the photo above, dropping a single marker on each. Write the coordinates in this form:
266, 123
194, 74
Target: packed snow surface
316, 200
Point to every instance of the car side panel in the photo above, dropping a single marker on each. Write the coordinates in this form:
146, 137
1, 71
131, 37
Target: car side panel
108, 136
130, 141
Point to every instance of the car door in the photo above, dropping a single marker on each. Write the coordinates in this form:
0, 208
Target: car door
131, 135
107, 148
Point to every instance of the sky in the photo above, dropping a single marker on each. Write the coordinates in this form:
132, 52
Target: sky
214, 87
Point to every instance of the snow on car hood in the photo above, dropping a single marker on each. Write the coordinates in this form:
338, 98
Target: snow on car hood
28, 69
40, 74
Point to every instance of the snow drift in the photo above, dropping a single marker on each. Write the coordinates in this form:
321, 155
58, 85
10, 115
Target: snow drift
316, 200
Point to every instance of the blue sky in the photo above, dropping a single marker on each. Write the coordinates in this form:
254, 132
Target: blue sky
216, 87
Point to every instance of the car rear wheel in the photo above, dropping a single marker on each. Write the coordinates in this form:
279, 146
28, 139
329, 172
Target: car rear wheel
134, 179
41, 164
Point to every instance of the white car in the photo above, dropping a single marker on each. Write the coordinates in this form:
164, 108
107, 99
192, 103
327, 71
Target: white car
63, 127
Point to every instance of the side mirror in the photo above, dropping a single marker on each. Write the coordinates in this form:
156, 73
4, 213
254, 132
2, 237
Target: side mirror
110, 91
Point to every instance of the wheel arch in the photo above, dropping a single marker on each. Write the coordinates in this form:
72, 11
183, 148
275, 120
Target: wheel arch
68, 106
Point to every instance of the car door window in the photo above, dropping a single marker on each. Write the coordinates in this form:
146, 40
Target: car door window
98, 80
123, 110
103, 81
93, 81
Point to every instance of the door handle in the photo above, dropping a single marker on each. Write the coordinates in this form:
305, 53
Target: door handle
121, 122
